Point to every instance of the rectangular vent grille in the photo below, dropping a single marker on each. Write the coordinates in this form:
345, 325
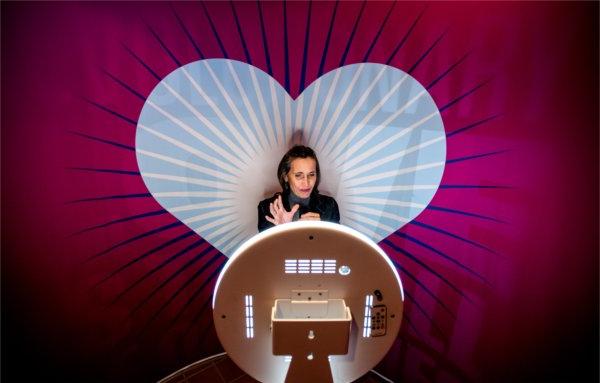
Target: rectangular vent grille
249, 313
310, 266
367, 320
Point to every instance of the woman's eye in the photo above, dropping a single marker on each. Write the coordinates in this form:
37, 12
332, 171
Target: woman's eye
299, 176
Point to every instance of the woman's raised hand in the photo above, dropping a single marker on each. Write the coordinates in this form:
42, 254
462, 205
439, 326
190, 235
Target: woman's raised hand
280, 215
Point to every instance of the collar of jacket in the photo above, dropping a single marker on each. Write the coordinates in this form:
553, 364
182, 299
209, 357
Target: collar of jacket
313, 204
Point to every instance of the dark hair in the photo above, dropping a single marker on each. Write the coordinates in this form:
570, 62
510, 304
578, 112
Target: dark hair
285, 165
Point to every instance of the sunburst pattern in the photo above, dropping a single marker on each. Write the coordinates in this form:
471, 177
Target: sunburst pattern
211, 134
381, 143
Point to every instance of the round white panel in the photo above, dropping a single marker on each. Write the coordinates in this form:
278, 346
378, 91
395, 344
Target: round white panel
307, 256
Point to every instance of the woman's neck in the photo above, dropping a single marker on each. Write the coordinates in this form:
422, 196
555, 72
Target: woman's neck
294, 199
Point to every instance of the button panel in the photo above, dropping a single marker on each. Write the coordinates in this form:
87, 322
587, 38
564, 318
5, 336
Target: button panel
379, 320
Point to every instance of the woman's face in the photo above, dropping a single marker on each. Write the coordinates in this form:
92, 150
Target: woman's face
302, 176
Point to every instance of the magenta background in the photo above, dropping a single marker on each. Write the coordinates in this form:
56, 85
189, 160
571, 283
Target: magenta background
538, 320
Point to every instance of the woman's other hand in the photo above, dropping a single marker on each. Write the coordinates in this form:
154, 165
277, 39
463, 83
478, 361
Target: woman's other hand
280, 215
310, 216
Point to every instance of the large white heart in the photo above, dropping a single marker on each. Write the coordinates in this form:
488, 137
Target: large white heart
211, 134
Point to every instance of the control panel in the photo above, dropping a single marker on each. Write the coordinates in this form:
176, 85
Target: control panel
378, 320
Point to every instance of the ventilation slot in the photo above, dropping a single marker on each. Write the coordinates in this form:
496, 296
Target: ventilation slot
249, 311
310, 266
367, 320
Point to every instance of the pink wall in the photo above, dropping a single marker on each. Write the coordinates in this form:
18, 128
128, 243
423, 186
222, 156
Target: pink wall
538, 63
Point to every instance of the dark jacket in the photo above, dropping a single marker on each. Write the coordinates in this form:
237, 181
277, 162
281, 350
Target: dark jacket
322, 204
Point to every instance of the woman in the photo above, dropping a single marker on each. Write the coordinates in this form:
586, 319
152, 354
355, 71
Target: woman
299, 177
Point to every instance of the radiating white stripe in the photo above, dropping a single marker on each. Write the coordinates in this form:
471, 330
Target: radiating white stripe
340, 105
216, 131
392, 157
298, 123
195, 194
378, 213
359, 227
342, 127
194, 151
231, 239
287, 136
210, 214
217, 148
214, 223
228, 227
232, 129
250, 109
204, 205
231, 229
384, 202
191, 180
189, 165
388, 188
349, 184
376, 148
386, 124
276, 114
268, 126
308, 122
232, 244
314, 133
373, 223
348, 138
236, 241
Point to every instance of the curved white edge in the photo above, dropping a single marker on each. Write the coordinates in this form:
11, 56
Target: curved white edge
181, 370
303, 225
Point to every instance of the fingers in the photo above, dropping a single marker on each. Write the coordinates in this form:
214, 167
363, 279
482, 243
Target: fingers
275, 212
294, 209
288, 216
281, 215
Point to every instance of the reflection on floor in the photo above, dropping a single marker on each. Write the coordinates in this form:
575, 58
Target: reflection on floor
221, 369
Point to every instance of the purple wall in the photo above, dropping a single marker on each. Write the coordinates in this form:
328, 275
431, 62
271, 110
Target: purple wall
517, 84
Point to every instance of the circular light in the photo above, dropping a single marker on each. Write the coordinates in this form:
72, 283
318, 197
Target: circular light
344, 270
